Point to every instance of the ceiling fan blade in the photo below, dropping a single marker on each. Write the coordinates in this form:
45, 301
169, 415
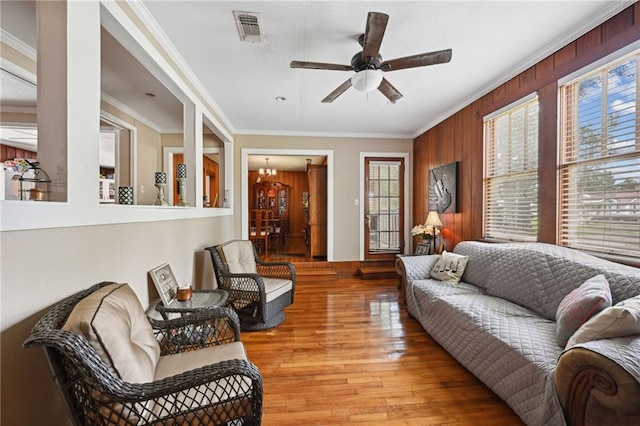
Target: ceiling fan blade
321, 66
373, 33
420, 60
389, 91
339, 91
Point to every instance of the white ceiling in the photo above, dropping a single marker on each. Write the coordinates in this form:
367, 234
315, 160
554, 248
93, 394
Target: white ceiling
491, 42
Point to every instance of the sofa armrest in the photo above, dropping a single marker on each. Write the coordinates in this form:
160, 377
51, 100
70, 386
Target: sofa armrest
416, 267
598, 381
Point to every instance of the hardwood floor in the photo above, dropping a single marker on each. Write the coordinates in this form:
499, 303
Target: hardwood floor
349, 354
290, 246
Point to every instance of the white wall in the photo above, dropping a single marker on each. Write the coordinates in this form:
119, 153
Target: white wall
41, 267
346, 169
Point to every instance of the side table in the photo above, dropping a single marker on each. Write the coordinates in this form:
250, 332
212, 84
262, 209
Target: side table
200, 300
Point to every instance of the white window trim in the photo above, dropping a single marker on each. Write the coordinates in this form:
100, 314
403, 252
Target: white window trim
486, 118
617, 56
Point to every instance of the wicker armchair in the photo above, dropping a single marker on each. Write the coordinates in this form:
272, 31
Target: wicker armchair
258, 291
201, 376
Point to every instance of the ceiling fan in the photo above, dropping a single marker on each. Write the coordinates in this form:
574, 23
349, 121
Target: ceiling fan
368, 63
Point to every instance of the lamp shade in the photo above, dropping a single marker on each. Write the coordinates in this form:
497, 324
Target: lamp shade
433, 219
367, 80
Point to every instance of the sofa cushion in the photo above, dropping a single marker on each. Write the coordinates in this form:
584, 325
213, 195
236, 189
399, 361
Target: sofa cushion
238, 256
449, 268
620, 320
115, 325
581, 304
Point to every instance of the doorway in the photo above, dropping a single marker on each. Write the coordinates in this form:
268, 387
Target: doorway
384, 203
247, 195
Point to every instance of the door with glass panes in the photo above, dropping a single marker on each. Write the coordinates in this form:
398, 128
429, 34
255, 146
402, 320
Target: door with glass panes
384, 204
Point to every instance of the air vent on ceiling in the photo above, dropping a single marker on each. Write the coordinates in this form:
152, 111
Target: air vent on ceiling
248, 24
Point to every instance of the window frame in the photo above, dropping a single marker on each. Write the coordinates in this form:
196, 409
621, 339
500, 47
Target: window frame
490, 166
569, 166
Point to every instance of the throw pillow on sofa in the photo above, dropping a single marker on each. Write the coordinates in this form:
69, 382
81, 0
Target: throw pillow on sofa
582, 303
620, 320
449, 268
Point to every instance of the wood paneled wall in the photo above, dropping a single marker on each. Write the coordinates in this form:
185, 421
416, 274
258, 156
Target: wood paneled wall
298, 184
9, 153
460, 137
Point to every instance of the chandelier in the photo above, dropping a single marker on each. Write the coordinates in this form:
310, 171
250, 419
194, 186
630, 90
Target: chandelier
265, 172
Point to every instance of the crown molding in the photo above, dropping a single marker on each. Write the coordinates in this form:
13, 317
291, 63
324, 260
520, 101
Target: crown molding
405, 136
132, 113
20, 109
158, 33
19, 45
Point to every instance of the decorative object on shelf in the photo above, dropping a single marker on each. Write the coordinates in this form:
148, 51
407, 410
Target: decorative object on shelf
35, 183
161, 183
161, 177
443, 192
266, 172
225, 202
125, 195
182, 185
182, 171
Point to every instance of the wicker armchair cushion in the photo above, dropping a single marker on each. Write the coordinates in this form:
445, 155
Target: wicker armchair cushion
170, 365
238, 256
114, 323
202, 399
276, 287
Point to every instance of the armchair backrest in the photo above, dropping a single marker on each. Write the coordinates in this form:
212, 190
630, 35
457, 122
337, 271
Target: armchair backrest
238, 256
115, 325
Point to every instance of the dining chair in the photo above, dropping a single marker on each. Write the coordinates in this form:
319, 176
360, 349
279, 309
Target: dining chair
259, 229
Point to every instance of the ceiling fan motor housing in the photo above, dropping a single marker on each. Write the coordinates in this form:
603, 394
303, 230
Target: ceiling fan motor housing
360, 64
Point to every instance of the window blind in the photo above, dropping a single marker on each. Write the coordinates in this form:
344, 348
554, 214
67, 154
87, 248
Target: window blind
599, 176
511, 173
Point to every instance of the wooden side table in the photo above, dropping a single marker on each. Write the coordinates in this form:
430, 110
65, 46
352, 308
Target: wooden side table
201, 300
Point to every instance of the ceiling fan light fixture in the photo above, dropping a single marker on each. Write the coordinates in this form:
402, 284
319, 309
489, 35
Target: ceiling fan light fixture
366, 80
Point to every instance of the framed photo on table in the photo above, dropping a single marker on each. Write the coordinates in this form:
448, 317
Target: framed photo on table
165, 283
422, 249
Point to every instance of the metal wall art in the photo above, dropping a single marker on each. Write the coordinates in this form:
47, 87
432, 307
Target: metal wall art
443, 189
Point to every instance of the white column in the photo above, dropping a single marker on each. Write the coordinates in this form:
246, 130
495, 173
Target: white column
193, 153
69, 97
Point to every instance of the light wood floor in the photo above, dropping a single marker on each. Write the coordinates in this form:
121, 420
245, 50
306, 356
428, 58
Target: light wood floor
349, 354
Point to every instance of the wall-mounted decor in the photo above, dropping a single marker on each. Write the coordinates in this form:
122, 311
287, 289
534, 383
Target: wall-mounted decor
443, 190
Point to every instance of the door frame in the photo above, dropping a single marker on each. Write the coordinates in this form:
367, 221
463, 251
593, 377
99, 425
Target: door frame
244, 185
406, 195
167, 164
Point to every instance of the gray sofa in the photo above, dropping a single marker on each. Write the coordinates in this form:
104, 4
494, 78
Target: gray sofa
499, 322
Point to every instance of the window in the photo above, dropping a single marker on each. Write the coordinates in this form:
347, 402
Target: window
599, 176
511, 172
